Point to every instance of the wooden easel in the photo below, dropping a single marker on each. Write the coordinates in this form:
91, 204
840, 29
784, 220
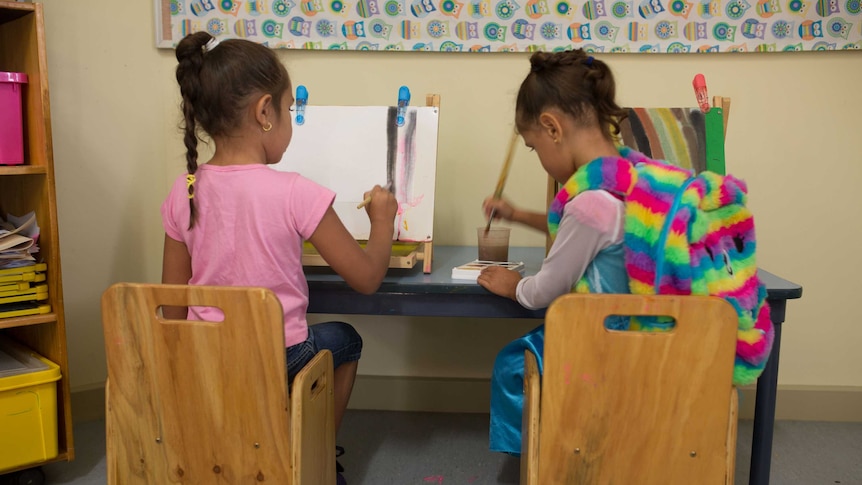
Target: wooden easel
405, 255
724, 104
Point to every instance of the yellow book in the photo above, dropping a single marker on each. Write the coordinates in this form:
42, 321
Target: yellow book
23, 291
11, 310
23, 285
24, 269
40, 294
17, 286
24, 273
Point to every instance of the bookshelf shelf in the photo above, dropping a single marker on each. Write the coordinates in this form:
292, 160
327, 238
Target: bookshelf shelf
28, 320
23, 170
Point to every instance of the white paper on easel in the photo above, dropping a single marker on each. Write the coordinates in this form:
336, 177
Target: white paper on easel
349, 149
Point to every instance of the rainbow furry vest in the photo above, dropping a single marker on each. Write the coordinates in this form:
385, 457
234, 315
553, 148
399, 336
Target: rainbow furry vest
685, 234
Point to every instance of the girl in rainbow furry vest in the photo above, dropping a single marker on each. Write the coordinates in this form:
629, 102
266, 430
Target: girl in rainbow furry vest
566, 113
621, 222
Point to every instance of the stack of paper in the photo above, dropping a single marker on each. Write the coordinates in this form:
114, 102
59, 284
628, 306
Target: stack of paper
471, 270
23, 287
18, 236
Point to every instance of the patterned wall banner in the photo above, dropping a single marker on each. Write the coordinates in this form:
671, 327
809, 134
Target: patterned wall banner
675, 26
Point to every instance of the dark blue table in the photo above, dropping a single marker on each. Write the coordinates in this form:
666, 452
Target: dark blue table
413, 293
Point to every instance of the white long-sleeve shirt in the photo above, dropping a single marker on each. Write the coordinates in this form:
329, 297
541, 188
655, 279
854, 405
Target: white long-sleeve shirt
592, 221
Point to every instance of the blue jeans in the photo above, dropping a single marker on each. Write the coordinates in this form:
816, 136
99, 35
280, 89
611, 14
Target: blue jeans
338, 337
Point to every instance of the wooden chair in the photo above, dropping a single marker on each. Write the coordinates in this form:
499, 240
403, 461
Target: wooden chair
617, 407
198, 402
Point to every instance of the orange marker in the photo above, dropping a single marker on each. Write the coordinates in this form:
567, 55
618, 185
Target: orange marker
699, 84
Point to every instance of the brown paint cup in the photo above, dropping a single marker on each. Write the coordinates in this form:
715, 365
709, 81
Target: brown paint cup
493, 244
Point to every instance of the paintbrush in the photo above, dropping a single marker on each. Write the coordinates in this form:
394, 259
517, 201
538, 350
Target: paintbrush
501, 182
368, 199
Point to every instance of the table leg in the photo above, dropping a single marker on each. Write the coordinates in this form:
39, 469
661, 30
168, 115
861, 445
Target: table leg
764, 406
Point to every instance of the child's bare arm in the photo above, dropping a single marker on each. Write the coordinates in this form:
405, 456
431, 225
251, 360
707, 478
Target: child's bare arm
176, 270
362, 269
503, 209
536, 220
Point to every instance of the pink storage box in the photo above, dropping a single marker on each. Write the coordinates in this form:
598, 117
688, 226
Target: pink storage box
11, 118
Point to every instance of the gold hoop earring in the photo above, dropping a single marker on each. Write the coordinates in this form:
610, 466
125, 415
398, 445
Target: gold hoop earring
267, 127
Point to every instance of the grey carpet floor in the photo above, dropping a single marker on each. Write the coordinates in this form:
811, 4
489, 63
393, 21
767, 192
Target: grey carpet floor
406, 448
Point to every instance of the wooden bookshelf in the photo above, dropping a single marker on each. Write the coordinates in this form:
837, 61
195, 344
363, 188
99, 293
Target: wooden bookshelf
30, 187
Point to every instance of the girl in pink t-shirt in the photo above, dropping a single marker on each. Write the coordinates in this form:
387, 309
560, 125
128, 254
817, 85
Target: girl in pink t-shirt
234, 221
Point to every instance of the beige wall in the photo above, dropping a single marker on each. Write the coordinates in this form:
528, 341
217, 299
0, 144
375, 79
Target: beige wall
794, 135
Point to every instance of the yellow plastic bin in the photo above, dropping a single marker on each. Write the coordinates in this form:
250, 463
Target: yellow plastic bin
28, 406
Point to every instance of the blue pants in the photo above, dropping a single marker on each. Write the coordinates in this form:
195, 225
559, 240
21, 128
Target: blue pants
507, 390
338, 337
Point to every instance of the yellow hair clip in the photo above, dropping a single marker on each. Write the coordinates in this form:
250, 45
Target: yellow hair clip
190, 181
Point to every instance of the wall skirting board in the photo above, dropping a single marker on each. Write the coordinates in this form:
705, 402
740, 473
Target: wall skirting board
802, 403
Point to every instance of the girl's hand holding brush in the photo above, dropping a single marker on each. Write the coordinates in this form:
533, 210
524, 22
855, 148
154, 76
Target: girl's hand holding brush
380, 204
496, 208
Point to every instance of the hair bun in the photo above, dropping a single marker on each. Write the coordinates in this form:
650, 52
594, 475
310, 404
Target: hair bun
541, 61
192, 45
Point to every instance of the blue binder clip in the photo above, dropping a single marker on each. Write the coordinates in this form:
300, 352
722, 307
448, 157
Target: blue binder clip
403, 101
301, 101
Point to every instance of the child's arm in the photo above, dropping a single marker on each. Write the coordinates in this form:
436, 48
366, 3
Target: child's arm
590, 223
505, 210
176, 270
362, 269
574, 247
500, 281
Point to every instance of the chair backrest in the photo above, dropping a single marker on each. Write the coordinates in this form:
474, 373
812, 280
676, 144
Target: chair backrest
635, 407
194, 401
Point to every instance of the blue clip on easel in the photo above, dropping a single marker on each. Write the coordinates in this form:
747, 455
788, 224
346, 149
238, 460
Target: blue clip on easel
403, 101
301, 101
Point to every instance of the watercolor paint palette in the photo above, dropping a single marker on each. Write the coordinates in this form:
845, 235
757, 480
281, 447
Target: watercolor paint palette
470, 271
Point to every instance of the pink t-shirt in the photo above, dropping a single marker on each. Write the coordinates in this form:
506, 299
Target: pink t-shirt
250, 225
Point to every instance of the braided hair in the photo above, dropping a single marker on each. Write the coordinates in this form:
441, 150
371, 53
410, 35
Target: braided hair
217, 82
573, 82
